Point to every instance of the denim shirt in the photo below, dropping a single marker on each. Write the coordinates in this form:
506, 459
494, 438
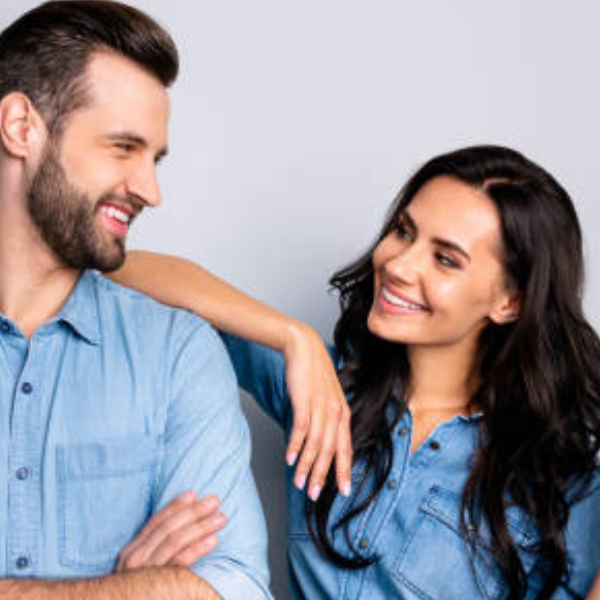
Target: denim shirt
112, 409
413, 526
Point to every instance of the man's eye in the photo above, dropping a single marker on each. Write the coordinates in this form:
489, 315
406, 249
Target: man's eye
446, 261
124, 147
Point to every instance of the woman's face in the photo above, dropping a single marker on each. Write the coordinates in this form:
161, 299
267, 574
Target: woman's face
439, 278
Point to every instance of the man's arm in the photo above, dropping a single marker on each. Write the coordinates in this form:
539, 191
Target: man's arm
154, 583
154, 565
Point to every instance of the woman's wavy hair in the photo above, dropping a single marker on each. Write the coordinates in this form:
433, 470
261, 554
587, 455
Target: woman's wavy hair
540, 375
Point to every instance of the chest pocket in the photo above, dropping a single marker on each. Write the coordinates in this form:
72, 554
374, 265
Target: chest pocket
104, 499
437, 562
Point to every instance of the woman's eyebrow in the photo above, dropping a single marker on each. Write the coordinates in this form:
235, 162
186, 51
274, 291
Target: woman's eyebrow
444, 243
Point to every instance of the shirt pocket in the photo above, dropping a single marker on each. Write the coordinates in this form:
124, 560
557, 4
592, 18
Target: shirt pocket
104, 499
437, 561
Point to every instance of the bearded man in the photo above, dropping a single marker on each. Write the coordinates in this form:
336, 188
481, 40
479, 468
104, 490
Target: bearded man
111, 405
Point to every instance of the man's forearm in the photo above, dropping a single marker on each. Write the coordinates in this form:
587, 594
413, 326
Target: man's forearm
155, 583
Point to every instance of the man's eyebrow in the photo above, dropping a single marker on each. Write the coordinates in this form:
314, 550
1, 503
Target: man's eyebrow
137, 140
437, 241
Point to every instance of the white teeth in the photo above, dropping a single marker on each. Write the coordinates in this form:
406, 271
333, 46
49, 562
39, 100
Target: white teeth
398, 301
117, 214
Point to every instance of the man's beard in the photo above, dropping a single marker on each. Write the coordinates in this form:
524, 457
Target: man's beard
66, 219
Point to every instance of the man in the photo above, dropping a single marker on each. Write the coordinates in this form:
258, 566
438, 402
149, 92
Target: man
110, 404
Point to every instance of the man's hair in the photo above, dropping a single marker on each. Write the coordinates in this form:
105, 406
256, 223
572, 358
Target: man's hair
44, 53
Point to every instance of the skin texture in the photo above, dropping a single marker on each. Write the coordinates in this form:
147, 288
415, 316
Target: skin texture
108, 152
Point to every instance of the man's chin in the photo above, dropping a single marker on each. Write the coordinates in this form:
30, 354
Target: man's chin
100, 261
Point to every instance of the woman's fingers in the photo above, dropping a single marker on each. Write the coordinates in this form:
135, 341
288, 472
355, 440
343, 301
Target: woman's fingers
343, 456
321, 420
299, 431
327, 446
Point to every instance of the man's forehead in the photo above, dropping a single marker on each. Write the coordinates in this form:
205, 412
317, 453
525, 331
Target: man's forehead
125, 97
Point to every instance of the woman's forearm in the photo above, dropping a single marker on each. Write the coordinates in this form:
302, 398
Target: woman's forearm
182, 283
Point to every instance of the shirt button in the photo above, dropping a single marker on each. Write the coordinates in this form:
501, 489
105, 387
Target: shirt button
27, 388
471, 527
4, 327
364, 543
22, 562
22, 473
403, 431
392, 484
434, 445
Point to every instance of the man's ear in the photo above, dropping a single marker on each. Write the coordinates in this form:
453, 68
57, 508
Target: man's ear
22, 129
507, 309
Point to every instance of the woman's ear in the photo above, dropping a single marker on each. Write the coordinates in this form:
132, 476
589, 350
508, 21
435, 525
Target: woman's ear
507, 308
22, 130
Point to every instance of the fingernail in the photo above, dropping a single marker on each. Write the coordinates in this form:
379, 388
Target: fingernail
211, 502
300, 481
291, 458
346, 488
314, 492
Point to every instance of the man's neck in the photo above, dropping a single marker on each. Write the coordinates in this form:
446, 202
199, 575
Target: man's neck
34, 285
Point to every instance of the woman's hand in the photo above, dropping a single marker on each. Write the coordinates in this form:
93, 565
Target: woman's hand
178, 535
321, 426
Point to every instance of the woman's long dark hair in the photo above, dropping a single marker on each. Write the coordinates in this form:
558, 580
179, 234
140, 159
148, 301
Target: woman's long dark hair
540, 375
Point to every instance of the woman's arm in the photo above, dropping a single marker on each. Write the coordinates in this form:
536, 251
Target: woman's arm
321, 427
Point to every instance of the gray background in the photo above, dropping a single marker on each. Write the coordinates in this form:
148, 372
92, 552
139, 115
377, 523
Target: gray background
295, 123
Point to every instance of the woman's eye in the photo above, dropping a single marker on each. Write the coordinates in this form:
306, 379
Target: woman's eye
446, 261
403, 231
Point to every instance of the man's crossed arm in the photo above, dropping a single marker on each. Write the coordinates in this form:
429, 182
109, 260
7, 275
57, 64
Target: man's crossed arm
154, 566
153, 583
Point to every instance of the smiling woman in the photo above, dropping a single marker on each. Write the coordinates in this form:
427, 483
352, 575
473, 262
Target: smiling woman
473, 381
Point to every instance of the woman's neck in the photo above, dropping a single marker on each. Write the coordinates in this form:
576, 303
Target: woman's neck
442, 378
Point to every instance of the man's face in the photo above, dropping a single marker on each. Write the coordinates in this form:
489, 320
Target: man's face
100, 174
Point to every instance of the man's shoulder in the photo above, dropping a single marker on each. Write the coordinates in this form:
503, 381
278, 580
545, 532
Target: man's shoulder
140, 313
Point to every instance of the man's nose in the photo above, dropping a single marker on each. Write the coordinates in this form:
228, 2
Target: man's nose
143, 184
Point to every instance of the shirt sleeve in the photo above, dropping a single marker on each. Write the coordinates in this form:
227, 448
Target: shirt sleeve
206, 447
261, 373
582, 537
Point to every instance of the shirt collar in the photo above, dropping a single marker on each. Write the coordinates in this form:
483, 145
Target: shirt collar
81, 309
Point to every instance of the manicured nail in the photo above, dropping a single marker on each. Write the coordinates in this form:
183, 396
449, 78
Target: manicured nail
291, 458
300, 481
346, 488
314, 492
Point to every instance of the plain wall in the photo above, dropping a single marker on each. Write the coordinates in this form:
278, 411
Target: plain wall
295, 123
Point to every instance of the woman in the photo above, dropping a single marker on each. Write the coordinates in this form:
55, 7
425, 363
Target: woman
474, 385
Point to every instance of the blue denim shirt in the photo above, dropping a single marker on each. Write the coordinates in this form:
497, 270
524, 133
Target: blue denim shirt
112, 409
414, 524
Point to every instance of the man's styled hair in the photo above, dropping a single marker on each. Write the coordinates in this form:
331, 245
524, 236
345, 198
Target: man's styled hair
45, 52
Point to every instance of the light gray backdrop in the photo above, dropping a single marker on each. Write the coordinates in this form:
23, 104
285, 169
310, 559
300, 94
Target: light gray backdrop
295, 123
